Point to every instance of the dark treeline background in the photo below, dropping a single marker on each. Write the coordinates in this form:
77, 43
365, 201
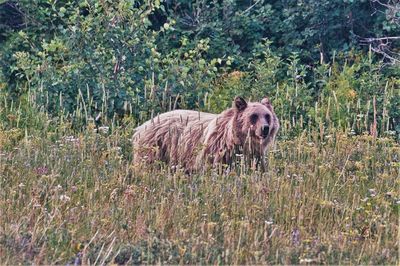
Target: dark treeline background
321, 62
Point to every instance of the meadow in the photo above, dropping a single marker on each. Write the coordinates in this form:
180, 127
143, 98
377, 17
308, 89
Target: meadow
72, 197
77, 77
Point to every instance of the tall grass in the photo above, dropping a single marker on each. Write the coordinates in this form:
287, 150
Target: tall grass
73, 196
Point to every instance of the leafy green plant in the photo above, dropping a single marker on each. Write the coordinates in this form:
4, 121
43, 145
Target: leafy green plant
105, 57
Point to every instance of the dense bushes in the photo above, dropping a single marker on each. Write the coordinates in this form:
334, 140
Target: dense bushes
104, 59
121, 57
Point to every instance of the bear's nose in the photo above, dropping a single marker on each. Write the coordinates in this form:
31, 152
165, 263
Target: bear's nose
265, 131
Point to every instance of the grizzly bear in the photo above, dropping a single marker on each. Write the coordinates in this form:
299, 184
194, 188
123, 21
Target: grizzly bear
192, 139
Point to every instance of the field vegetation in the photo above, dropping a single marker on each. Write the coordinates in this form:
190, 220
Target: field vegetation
77, 77
74, 197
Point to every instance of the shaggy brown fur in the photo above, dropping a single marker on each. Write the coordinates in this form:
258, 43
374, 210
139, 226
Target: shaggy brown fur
193, 139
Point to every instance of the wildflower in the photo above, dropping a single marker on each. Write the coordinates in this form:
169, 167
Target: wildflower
365, 199
236, 75
42, 170
372, 192
352, 94
78, 258
390, 132
65, 198
295, 237
269, 222
72, 140
103, 130
306, 260
117, 148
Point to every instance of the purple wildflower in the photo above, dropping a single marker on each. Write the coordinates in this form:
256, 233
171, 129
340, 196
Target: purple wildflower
43, 170
296, 237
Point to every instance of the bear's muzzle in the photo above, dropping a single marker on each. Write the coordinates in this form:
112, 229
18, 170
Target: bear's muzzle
265, 131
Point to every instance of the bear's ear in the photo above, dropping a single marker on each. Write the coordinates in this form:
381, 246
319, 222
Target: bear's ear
239, 103
267, 103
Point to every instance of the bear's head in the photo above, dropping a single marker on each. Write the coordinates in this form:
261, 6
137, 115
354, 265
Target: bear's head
256, 119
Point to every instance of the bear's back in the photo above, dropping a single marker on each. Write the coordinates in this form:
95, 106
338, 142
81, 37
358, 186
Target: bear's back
176, 118
168, 133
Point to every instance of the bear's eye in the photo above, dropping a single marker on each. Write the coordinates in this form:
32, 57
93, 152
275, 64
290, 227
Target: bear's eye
268, 118
253, 118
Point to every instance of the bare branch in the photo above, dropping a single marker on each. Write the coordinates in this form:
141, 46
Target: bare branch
386, 46
386, 55
392, 10
381, 39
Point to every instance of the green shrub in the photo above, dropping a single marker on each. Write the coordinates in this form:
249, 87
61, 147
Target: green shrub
106, 60
82, 60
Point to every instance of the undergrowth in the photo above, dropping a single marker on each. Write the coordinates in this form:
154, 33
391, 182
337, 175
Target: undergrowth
71, 196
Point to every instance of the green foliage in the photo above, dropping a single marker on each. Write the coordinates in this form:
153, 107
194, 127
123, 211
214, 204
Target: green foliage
115, 58
106, 59
355, 91
337, 95
310, 28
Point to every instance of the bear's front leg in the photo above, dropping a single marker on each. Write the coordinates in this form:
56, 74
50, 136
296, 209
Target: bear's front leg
262, 162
